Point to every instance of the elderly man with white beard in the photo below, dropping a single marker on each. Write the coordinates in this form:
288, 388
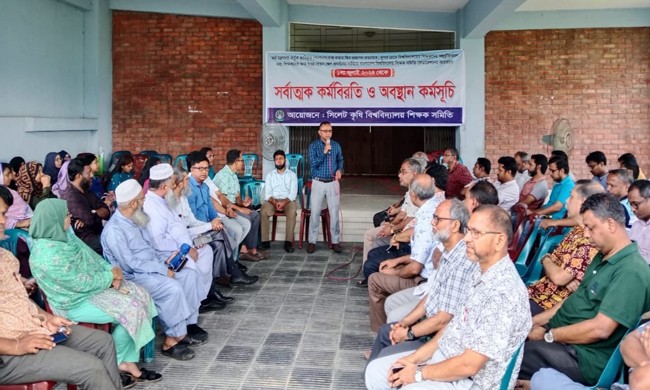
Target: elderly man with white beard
223, 243
177, 295
168, 232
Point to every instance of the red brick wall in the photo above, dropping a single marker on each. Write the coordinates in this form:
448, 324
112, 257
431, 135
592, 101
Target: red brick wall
599, 79
182, 82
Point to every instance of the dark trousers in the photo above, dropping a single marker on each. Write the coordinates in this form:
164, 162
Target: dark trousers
218, 247
535, 309
377, 255
95, 243
539, 354
251, 238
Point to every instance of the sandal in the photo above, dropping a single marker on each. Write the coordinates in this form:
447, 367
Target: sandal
127, 380
148, 376
367, 354
362, 283
179, 352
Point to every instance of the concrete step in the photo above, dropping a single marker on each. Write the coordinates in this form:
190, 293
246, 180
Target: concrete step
354, 226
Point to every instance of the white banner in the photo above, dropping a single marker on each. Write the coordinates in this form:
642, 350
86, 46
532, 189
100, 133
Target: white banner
366, 89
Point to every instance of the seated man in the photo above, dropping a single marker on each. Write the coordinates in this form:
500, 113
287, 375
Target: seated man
445, 292
474, 349
480, 193
522, 159
635, 349
507, 189
638, 195
578, 336
280, 192
597, 163
535, 190
459, 175
407, 271
227, 181
168, 233
380, 236
565, 267
177, 295
87, 210
222, 247
618, 183
555, 207
27, 352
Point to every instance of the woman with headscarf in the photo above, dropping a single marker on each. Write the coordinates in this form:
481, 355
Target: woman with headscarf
62, 181
144, 176
52, 165
123, 171
19, 213
33, 184
81, 286
16, 163
65, 156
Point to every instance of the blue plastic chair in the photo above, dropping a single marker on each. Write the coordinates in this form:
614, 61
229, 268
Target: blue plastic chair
10, 243
250, 164
520, 264
253, 190
165, 158
612, 370
149, 153
183, 160
294, 163
534, 271
115, 158
505, 382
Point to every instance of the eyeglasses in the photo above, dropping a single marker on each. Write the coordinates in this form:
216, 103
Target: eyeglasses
326, 131
476, 234
635, 205
553, 170
201, 169
437, 218
592, 166
403, 172
239, 160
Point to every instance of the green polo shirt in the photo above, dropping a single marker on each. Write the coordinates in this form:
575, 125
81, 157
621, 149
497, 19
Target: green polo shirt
620, 289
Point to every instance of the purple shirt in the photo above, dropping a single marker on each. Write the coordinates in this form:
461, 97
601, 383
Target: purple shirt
640, 233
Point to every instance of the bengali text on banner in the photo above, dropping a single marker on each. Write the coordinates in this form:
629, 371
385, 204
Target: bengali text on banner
361, 89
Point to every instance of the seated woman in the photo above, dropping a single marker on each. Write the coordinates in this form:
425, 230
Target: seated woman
62, 181
144, 177
33, 184
81, 286
52, 165
19, 214
123, 171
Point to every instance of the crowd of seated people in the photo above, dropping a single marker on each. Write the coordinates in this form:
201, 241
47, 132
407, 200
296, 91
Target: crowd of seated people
448, 304
459, 325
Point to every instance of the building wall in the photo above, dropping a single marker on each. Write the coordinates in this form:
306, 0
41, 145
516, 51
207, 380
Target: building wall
184, 82
596, 78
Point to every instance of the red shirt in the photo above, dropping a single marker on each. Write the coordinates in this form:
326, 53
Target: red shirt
458, 178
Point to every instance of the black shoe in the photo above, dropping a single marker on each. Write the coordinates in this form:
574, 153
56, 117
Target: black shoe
311, 248
264, 246
197, 332
179, 352
288, 246
208, 305
193, 340
241, 267
217, 296
244, 280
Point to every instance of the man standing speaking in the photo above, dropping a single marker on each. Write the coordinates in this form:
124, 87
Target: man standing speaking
326, 164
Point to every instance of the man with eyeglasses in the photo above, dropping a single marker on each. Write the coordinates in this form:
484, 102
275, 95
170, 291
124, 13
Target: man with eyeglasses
638, 195
326, 167
459, 175
228, 182
597, 163
618, 183
444, 291
488, 327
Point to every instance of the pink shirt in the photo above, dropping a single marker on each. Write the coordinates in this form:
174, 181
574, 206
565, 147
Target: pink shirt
640, 232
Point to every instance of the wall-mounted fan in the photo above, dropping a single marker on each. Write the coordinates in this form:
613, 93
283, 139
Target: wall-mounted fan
274, 137
561, 137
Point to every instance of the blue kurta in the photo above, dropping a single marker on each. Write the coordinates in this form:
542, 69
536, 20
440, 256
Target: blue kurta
177, 300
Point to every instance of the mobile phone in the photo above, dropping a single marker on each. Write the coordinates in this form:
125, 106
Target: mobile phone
123, 290
59, 337
390, 248
397, 369
202, 240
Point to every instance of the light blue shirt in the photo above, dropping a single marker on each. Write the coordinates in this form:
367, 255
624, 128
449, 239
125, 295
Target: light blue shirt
560, 193
281, 185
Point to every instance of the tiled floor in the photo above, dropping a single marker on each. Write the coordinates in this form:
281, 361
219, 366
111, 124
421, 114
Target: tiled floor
294, 329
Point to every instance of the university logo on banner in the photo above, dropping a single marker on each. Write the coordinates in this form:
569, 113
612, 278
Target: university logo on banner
366, 89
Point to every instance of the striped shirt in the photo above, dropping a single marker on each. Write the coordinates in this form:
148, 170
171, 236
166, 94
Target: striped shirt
324, 166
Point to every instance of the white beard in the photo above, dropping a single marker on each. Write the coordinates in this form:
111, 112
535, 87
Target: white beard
140, 218
172, 200
186, 191
442, 235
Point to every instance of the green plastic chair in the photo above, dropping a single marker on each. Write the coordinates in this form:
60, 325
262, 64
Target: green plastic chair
183, 161
534, 271
294, 162
612, 370
165, 158
520, 264
10, 243
510, 369
254, 191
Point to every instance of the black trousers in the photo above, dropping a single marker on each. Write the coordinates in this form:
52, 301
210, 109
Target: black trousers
539, 354
535, 309
378, 255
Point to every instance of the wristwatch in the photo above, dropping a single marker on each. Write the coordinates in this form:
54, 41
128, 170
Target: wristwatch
548, 336
409, 334
418, 375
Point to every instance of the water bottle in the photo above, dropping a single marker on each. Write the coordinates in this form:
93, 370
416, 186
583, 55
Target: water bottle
181, 257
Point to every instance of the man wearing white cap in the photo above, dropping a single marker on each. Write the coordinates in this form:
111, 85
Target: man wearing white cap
168, 232
177, 295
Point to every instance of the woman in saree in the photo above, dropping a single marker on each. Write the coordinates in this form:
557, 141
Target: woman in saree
81, 286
